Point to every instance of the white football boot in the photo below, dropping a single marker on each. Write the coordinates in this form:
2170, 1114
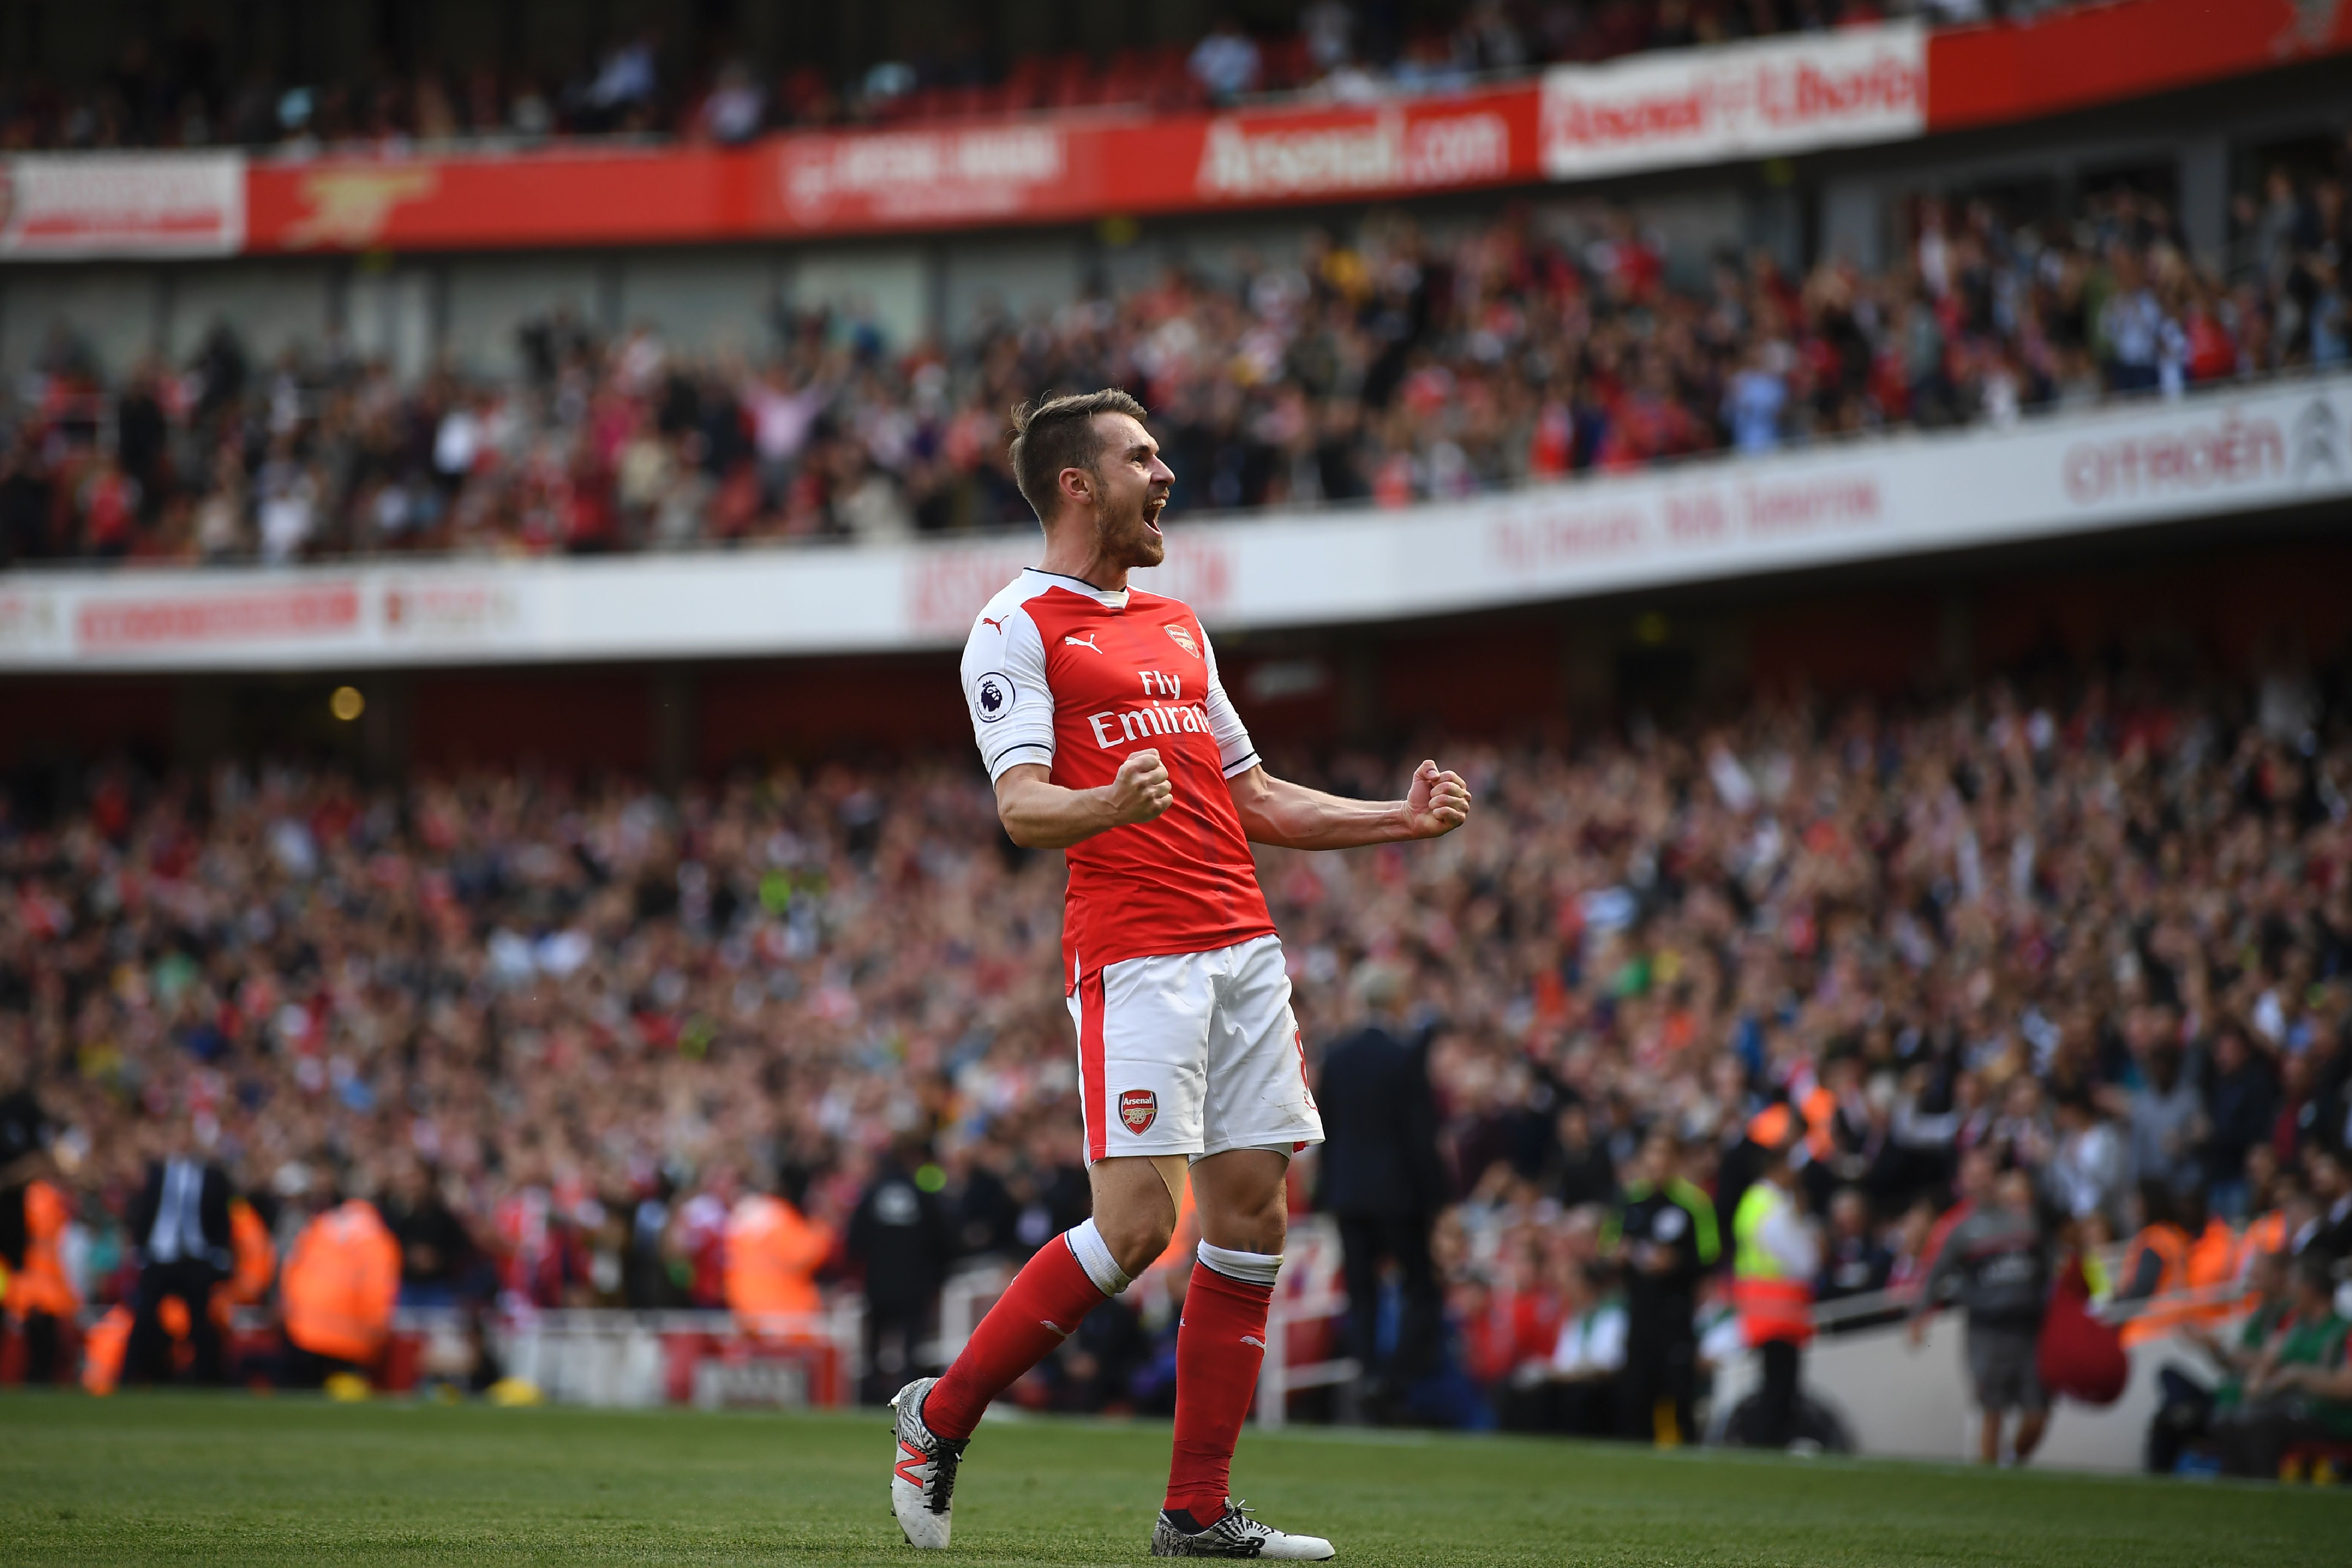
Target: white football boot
1236, 1535
922, 1480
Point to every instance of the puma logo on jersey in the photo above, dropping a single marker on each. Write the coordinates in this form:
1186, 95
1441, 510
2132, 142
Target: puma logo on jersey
998, 622
1086, 641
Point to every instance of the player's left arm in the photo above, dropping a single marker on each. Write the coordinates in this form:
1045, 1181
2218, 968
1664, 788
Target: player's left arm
1276, 811
1292, 816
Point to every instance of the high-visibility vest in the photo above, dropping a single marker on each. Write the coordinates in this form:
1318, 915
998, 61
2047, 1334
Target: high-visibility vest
774, 1252
41, 1286
1772, 1304
342, 1281
2170, 1245
2212, 1267
2266, 1233
256, 1263
256, 1255
103, 1351
1820, 1122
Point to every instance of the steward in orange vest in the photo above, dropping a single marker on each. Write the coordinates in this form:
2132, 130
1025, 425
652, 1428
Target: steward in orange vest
341, 1282
255, 1258
2155, 1264
1775, 1256
40, 1298
774, 1252
2213, 1259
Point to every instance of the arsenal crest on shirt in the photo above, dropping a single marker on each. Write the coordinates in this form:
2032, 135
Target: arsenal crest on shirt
1138, 1108
1184, 639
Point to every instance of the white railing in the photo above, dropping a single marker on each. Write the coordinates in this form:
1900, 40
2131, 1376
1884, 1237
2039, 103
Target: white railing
627, 1359
1309, 1291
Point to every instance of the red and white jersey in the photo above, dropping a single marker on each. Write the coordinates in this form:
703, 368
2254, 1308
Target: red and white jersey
1060, 672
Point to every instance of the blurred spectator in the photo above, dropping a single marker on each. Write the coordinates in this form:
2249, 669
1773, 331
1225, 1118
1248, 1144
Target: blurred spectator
1380, 1178
1855, 1261
35, 1210
1225, 63
2156, 1262
1996, 1259
1664, 1230
2167, 1121
436, 1250
2299, 1388
1588, 1359
181, 1221
2242, 1099
773, 1255
901, 1241
2190, 1408
340, 1285
2328, 1233
1779, 1252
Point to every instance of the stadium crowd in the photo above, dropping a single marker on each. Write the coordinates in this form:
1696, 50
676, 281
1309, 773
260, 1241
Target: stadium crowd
1390, 366
575, 1040
180, 92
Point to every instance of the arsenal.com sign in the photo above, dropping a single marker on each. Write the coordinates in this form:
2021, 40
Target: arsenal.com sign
1754, 99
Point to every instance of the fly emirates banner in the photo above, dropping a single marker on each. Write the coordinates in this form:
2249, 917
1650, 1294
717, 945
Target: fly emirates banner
2217, 454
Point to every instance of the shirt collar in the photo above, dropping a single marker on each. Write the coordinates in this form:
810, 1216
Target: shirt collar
1109, 598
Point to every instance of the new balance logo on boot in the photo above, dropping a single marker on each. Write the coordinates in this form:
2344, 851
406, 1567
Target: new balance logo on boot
922, 1482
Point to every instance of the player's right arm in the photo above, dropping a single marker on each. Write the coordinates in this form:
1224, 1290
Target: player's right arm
1011, 706
1039, 814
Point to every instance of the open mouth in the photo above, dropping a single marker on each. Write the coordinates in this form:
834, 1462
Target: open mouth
1152, 510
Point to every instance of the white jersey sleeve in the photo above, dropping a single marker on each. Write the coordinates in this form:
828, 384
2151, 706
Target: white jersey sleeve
1234, 747
1004, 689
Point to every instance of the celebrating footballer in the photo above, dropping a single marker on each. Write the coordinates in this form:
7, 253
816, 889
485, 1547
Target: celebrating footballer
1098, 711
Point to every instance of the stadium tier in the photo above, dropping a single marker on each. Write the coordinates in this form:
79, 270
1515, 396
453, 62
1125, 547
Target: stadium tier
496, 893
1384, 365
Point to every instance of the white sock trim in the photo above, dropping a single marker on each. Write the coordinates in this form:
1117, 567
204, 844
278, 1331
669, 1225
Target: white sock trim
1093, 1253
1249, 1268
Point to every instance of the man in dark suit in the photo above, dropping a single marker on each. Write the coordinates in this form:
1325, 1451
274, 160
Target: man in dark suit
901, 1238
1381, 1180
180, 1224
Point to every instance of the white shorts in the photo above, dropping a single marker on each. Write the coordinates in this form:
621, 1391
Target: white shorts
1195, 1053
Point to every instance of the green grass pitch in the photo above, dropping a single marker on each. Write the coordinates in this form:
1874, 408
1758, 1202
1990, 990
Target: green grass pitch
234, 1480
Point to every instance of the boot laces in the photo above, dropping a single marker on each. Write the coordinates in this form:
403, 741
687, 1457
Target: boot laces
945, 1458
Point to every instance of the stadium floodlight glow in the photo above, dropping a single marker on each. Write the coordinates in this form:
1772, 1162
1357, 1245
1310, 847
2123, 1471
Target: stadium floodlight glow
347, 704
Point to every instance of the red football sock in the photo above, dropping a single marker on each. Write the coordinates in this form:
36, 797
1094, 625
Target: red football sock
1219, 1348
1037, 1312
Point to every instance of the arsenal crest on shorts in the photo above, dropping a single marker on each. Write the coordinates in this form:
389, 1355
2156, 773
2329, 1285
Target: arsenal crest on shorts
1138, 1108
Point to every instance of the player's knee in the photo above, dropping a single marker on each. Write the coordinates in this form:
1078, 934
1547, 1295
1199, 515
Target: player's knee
1258, 1224
1269, 1227
1135, 1239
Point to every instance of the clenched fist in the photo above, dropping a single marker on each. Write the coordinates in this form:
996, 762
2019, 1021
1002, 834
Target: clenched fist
1437, 802
1142, 789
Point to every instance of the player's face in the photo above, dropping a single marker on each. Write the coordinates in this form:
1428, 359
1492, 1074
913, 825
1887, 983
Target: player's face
1134, 491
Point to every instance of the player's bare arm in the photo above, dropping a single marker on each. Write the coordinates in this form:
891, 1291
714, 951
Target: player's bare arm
1293, 817
1039, 814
